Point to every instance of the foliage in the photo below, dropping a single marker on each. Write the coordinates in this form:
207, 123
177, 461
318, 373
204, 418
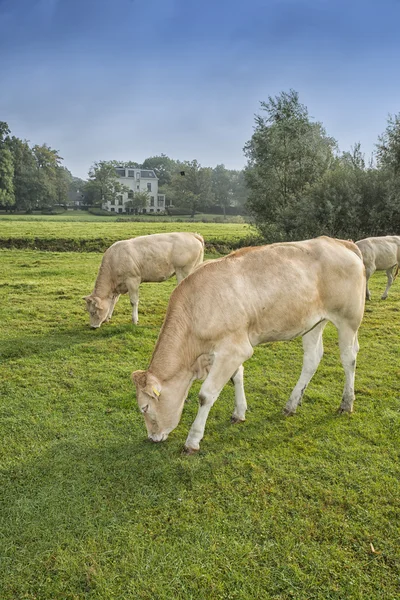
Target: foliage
286, 155
103, 184
221, 187
299, 188
163, 166
303, 508
138, 201
7, 196
191, 186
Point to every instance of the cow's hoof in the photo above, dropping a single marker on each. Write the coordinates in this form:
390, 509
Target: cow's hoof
342, 410
288, 412
383, 297
187, 450
235, 419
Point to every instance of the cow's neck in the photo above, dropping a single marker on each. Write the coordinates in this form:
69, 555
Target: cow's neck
103, 287
175, 354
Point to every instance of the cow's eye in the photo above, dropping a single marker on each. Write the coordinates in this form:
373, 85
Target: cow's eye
144, 409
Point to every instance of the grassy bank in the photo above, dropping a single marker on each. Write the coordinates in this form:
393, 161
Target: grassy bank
98, 235
303, 508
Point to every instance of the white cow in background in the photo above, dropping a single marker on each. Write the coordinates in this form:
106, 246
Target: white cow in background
381, 254
149, 258
223, 309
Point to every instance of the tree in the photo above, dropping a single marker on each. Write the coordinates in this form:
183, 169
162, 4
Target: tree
26, 184
139, 201
191, 186
163, 167
221, 187
388, 147
103, 184
239, 188
7, 195
286, 155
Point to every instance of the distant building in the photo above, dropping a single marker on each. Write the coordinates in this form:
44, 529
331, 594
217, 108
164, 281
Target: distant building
138, 180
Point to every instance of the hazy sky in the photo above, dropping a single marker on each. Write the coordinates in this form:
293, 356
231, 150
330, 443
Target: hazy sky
123, 79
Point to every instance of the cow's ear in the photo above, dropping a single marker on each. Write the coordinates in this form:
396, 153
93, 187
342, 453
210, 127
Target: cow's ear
86, 298
148, 383
139, 379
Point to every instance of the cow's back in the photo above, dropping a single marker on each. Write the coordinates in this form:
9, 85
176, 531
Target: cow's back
380, 253
273, 292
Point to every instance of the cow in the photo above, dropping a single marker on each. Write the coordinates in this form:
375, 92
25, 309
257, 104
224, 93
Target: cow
381, 254
128, 263
227, 306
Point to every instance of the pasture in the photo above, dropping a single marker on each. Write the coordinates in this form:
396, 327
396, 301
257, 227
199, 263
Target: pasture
53, 233
303, 508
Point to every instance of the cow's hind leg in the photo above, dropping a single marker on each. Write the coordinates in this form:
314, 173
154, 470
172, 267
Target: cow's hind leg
313, 351
390, 279
368, 272
239, 414
348, 344
226, 364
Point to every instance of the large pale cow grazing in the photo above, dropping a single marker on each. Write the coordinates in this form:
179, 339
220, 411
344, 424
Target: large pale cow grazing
128, 263
221, 311
381, 254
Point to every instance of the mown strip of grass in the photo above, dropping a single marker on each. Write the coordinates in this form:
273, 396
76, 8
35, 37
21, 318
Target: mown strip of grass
70, 236
274, 508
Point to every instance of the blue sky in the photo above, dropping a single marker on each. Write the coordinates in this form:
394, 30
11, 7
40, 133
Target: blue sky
123, 79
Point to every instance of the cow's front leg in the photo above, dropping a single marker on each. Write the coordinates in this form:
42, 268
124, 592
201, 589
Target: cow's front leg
239, 413
224, 365
133, 291
114, 301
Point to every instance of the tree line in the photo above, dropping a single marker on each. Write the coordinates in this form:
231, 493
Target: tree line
301, 185
33, 177
296, 184
186, 185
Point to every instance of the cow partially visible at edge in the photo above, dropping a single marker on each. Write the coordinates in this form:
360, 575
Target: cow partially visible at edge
381, 254
149, 258
221, 311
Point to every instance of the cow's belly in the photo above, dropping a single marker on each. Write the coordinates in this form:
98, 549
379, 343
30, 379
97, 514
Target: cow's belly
280, 330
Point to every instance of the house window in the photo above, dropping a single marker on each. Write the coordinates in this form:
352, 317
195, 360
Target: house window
131, 173
138, 187
160, 201
120, 172
120, 210
112, 201
138, 175
130, 194
151, 200
120, 200
149, 187
112, 209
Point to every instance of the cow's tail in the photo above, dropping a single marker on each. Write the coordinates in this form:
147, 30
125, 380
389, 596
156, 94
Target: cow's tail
397, 272
199, 237
352, 246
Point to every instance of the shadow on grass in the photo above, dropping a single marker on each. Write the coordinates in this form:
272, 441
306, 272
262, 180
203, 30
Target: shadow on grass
28, 345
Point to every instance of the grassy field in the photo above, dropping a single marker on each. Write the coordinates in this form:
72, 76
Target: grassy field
98, 235
303, 508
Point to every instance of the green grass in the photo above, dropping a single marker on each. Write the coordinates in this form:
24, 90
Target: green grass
82, 215
98, 235
273, 508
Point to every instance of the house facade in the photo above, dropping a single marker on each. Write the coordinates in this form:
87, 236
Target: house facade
137, 180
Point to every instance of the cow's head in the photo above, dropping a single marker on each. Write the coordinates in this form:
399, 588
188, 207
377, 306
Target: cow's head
98, 310
161, 407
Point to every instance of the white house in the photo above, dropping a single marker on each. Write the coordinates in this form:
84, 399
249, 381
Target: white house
137, 180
